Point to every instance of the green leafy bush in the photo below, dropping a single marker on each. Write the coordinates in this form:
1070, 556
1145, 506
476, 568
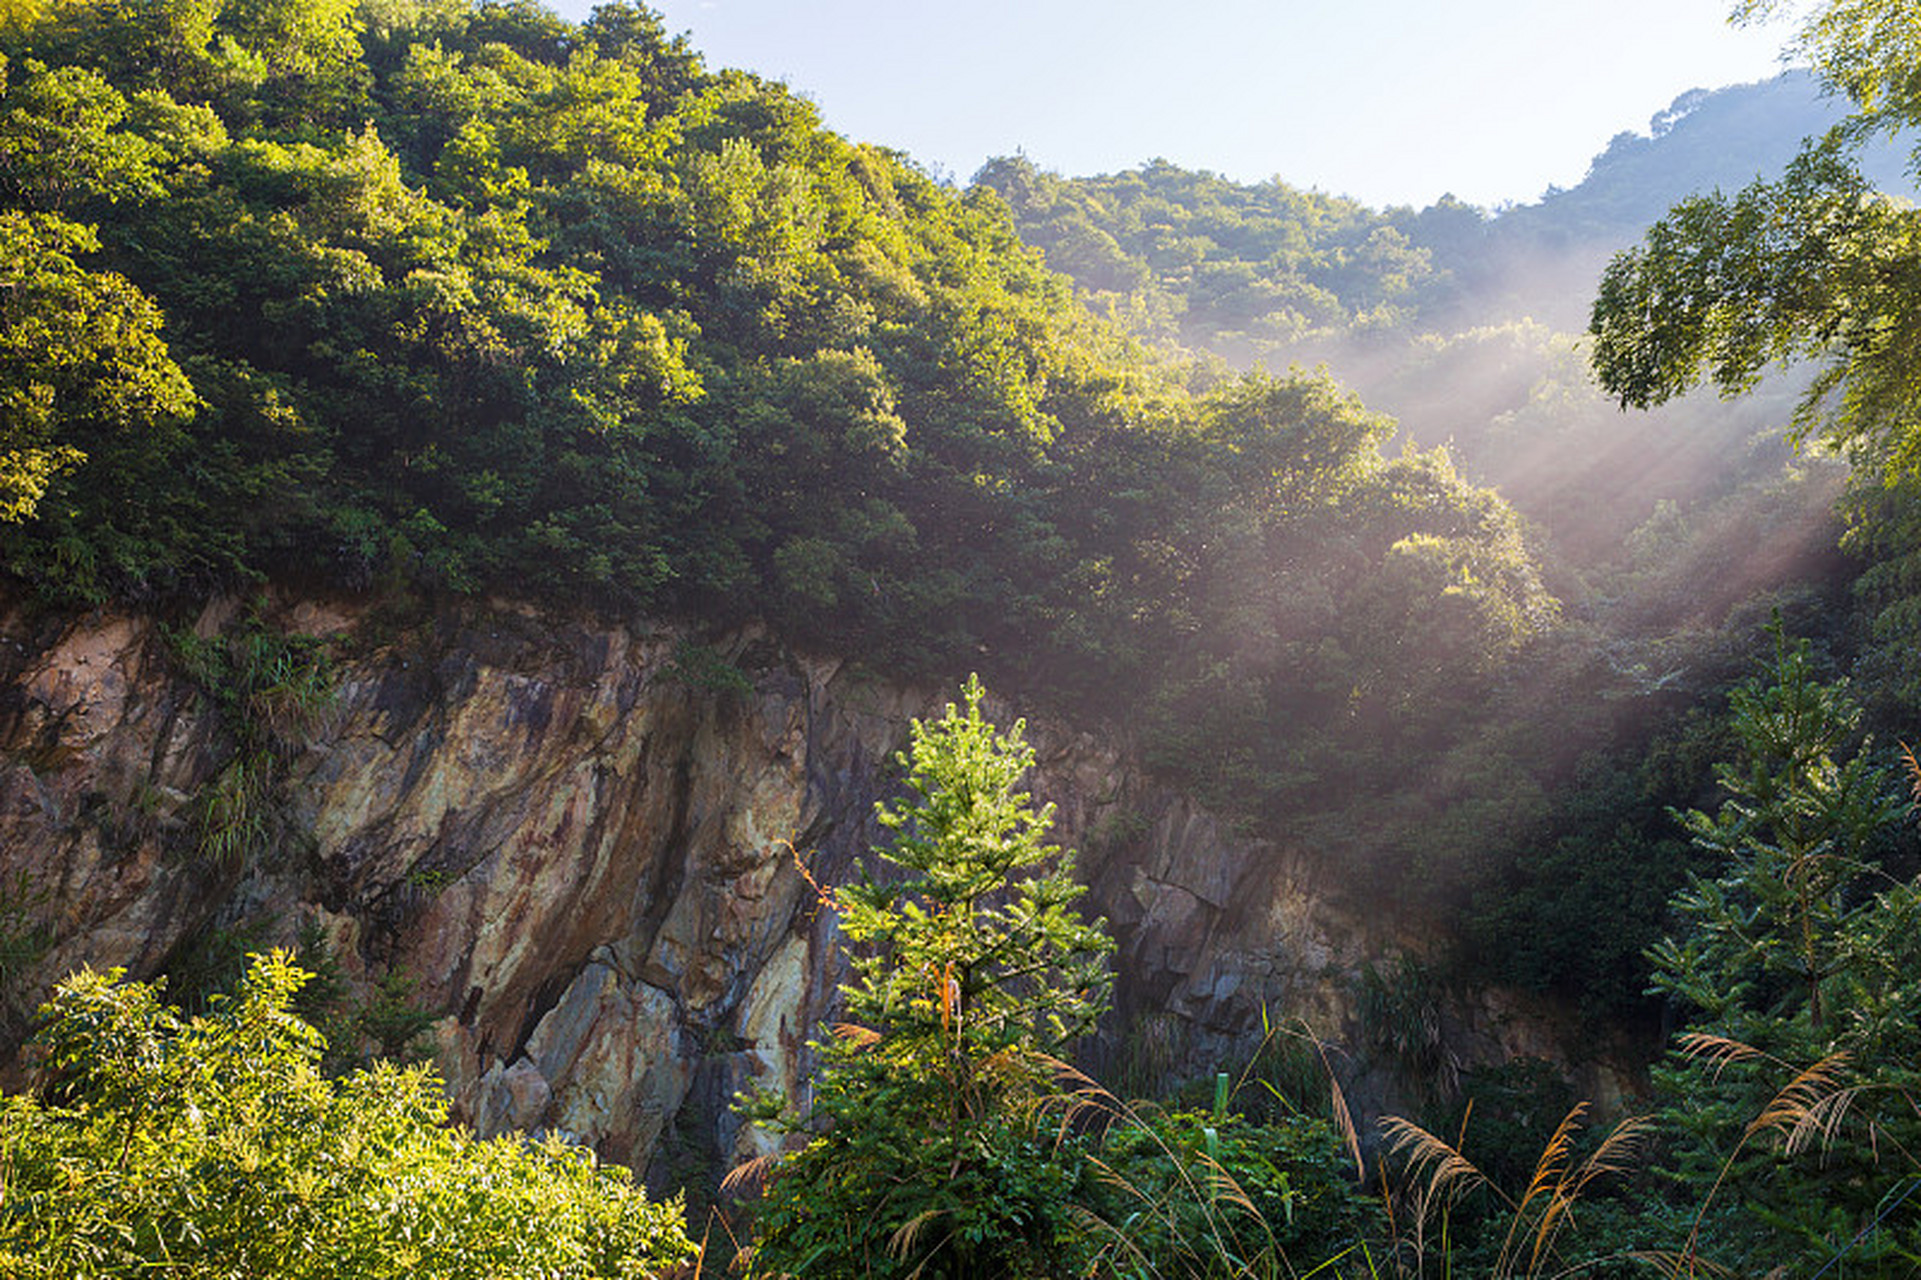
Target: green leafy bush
1191, 1193
213, 1146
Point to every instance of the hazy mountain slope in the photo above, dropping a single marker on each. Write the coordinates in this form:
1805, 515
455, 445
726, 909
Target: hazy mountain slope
1667, 536
1459, 322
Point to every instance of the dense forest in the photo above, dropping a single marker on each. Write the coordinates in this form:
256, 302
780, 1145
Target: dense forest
494, 301
429, 301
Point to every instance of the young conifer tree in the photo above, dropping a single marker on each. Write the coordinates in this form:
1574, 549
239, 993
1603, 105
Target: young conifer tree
934, 1152
1795, 1093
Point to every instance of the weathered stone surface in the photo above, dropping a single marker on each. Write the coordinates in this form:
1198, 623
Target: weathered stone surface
593, 869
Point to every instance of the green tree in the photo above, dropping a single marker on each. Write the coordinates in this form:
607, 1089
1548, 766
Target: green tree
63, 144
933, 1156
1795, 837
81, 358
1815, 265
1790, 1100
213, 1146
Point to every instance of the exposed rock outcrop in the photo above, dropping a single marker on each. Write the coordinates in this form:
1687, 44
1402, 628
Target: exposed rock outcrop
587, 851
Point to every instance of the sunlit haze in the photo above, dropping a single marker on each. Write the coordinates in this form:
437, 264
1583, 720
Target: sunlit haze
1388, 101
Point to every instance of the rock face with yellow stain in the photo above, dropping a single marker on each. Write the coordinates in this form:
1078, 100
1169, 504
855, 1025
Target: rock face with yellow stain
586, 852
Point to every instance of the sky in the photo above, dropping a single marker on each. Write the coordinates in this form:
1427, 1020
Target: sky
1387, 101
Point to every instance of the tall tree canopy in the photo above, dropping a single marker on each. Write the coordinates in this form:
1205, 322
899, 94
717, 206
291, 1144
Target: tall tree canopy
1814, 265
436, 298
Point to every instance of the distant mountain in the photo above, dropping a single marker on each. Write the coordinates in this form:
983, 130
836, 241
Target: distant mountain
1268, 271
1705, 139
1541, 259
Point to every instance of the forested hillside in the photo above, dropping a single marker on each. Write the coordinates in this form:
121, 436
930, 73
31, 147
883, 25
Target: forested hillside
471, 299
439, 307
1460, 323
1276, 272
437, 300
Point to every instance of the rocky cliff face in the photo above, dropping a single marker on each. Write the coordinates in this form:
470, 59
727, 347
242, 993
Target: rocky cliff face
585, 845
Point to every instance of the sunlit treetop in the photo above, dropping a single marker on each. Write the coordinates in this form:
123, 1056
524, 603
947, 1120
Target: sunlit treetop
1811, 266
438, 299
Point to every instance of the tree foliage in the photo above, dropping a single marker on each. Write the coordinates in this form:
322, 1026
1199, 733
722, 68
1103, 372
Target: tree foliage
1245, 272
981, 950
81, 360
1814, 266
1790, 1098
935, 1151
213, 1146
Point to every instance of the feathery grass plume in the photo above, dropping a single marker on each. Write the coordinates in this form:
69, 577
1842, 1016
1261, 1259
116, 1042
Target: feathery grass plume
1823, 1119
1443, 1177
1344, 1119
1806, 1100
1545, 1207
747, 1177
1678, 1265
1622, 1148
1812, 1087
1449, 1174
1548, 1184
1563, 1185
901, 1244
854, 1034
1720, 1052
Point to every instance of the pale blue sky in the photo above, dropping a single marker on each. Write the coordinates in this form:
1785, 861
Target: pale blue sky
1389, 101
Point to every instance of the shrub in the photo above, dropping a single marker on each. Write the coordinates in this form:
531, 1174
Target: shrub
213, 1146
